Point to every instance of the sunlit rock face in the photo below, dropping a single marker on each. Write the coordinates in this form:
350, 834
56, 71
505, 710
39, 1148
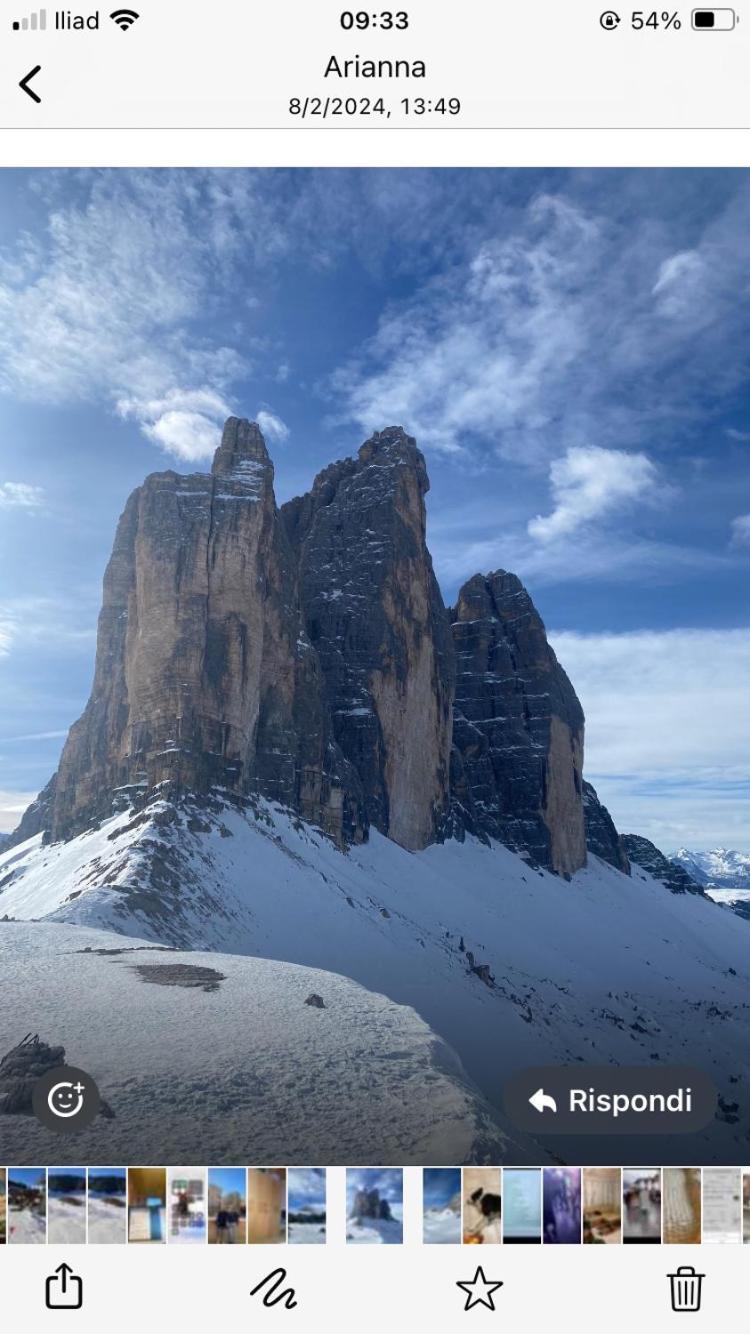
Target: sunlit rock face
204, 676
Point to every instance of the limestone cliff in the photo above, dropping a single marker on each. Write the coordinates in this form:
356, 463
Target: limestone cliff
203, 674
518, 727
305, 654
373, 610
602, 837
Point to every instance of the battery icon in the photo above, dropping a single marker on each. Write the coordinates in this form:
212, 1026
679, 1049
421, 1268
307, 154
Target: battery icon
714, 20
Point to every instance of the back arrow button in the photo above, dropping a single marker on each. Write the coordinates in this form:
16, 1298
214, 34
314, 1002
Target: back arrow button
26, 80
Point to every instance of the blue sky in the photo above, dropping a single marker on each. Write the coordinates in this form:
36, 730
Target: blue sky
34, 1178
306, 1188
569, 348
229, 1180
388, 1181
440, 1185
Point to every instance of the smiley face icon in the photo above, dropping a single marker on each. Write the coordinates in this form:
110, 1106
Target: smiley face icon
66, 1098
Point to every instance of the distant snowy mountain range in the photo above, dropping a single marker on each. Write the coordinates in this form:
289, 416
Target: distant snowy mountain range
721, 869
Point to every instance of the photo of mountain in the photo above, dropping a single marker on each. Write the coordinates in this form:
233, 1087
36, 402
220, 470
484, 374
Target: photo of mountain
374, 1206
441, 1206
306, 1207
343, 592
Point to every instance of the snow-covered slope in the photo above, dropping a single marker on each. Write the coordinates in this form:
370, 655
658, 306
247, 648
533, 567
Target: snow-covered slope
721, 869
603, 968
243, 1073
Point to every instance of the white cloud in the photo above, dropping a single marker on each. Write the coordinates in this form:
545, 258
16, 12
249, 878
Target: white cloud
571, 324
589, 482
682, 282
667, 730
740, 436
114, 304
186, 423
66, 620
32, 736
272, 426
741, 531
20, 495
12, 807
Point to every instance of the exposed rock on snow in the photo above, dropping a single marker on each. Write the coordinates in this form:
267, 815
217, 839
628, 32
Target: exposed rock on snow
21, 1068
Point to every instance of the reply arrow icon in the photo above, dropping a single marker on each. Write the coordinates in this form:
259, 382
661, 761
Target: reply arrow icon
543, 1102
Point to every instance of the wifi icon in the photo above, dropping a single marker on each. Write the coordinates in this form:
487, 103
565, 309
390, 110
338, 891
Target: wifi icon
124, 18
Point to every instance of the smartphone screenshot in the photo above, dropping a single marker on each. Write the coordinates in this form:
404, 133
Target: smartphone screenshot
374, 663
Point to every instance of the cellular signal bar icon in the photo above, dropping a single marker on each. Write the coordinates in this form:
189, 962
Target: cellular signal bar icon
34, 23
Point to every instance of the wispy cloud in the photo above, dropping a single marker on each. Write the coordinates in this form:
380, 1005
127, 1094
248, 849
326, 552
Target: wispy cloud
272, 426
32, 736
667, 730
121, 293
12, 807
20, 495
66, 622
589, 482
741, 531
184, 422
568, 328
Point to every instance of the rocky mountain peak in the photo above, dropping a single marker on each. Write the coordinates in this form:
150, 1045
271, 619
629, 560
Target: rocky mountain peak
306, 655
242, 452
518, 727
642, 852
394, 448
374, 613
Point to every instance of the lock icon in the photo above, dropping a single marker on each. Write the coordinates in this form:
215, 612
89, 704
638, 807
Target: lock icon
610, 20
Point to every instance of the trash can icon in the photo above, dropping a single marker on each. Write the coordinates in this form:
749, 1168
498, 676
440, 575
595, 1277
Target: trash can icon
686, 1287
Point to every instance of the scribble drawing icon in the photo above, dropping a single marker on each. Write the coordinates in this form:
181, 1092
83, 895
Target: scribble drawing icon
272, 1282
686, 1289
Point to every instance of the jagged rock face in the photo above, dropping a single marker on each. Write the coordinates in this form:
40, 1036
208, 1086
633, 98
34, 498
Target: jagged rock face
203, 675
306, 655
602, 837
518, 728
373, 610
646, 855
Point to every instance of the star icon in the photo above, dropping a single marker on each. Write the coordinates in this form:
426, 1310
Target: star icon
479, 1291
